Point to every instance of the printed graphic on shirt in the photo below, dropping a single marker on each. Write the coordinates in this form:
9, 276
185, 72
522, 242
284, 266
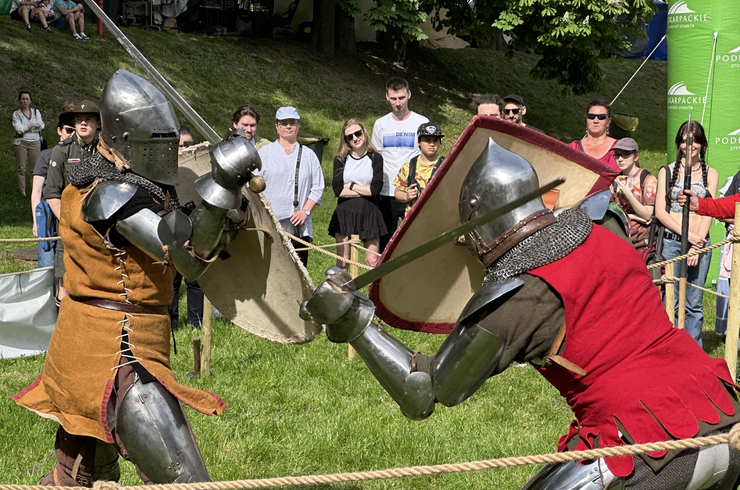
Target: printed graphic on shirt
399, 140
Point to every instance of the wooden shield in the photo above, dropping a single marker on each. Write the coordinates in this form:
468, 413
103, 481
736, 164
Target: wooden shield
428, 294
260, 286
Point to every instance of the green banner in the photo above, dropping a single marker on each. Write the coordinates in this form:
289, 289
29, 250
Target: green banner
5, 7
703, 80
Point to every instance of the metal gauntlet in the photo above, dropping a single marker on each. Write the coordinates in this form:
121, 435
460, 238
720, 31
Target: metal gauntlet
346, 316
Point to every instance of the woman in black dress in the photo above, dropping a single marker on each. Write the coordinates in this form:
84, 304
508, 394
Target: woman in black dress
357, 181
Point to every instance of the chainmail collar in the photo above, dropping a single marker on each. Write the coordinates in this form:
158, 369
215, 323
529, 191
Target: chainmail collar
97, 168
543, 247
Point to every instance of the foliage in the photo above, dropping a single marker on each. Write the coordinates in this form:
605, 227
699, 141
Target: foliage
404, 15
570, 35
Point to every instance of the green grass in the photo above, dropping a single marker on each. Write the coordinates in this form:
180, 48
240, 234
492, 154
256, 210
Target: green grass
306, 409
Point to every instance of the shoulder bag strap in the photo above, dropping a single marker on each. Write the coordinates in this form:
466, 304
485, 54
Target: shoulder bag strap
297, 171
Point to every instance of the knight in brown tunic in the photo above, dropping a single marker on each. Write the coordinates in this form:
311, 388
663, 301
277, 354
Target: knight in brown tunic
107, 378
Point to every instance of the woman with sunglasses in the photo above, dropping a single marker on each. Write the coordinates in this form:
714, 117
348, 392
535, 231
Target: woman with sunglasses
634, 190
668, 210
357, 181
597, 143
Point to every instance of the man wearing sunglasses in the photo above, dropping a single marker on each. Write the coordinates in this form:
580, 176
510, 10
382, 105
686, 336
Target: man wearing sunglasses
45, 249
85, 119
514, 110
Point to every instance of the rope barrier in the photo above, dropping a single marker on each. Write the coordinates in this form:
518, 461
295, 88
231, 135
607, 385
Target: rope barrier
314, 247
733, 438
665, 279
360, 247
22, 240
695, 252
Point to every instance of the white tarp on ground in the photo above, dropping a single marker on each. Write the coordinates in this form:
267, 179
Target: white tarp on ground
27, 312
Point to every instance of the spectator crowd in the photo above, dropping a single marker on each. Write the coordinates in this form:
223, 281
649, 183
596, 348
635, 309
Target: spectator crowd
376, 177
60, 14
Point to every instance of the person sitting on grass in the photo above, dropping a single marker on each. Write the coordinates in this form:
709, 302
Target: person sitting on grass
19, 10
68, 13
417, 172
44, 13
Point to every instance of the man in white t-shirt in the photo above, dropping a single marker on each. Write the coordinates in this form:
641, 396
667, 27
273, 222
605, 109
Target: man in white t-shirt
394, 136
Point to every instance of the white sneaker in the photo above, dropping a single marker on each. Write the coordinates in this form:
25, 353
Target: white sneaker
77, 37
84, 36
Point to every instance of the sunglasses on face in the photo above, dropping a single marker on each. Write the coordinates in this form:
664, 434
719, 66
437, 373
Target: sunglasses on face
287, 123
600, 117
187, 144
622, 154
512, 111
68, 129
351, 136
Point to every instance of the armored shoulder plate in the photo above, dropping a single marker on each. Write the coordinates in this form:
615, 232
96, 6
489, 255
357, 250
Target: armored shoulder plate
105, 199
487, 294
595, 206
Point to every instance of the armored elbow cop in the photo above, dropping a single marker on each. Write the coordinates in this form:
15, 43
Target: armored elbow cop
233, 162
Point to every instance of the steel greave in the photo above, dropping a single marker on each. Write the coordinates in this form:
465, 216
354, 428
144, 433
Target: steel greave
575, 475
156, 434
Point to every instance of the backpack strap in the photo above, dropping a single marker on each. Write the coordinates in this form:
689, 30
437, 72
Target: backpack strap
412, 172
436, 166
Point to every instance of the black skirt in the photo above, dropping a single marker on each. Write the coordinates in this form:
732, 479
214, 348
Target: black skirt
357, 216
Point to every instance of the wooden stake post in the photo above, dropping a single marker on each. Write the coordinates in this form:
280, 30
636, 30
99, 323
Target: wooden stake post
733, 311
354, 255
207, 337
670, 294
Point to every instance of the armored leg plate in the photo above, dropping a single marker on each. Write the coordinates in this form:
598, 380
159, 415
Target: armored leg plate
575, 475
155, 432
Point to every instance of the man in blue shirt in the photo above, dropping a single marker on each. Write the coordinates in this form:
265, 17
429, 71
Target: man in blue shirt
68, 13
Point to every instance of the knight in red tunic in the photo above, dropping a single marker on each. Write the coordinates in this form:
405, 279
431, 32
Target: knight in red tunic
553, 297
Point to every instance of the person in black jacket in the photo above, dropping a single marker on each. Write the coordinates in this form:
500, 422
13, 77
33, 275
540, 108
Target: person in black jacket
357, 181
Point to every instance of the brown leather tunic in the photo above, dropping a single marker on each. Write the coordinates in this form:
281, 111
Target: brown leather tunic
85, 348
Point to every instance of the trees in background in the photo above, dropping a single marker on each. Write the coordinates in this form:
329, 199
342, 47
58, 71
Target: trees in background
570, 35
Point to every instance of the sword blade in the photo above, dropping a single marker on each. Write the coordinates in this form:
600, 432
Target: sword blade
433, 244
157, 79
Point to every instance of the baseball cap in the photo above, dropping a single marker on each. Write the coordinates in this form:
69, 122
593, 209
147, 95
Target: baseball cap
515, 98
429, 129
287, 113
626, 144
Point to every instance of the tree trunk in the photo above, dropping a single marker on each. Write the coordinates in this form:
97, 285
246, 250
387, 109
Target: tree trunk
393, 44
346, 33
324, 13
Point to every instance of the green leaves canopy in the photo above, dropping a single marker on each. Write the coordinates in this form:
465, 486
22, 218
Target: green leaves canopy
571, 35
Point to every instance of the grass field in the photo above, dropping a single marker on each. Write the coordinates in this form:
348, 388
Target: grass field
307, 409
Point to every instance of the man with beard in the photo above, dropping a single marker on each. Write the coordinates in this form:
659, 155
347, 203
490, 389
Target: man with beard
514, 110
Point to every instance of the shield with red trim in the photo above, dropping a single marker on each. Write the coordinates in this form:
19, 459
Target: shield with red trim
428, 294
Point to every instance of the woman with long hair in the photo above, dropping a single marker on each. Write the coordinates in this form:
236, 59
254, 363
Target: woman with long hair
597, 143
357, 181
667, 209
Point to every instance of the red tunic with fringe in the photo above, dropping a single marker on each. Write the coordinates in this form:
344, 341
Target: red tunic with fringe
653, 378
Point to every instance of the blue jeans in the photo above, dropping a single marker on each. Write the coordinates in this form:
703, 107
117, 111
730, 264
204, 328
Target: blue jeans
696, 274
